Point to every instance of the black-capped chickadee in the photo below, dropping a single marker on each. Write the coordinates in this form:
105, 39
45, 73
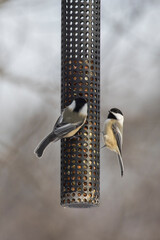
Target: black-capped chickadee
70, 121
113, 133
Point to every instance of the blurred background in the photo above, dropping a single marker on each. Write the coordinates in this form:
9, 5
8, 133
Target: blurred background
30, 37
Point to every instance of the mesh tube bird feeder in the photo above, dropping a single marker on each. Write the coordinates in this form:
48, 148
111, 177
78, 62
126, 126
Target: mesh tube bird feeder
80, 77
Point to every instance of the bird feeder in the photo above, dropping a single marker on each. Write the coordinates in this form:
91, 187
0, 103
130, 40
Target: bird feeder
80, 77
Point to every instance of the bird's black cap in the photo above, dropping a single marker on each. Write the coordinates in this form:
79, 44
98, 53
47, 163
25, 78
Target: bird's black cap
79, 104
114, 110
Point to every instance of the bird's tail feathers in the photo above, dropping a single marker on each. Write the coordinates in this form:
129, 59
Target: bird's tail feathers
121, 164
44, 143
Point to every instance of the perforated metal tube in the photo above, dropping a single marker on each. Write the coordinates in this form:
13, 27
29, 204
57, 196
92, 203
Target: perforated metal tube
80, 77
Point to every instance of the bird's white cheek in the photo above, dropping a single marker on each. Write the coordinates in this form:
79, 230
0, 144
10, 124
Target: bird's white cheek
83, 111
72, 105
121, 121
119, 116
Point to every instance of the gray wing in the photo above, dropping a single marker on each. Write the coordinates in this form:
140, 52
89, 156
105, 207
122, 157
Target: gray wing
62, 128
59, 120
119, 140
118, 137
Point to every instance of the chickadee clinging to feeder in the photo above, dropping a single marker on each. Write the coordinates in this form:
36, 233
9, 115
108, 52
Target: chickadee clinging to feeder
70, 121
113, 133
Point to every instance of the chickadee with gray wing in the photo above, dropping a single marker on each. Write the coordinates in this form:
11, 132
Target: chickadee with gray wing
113, 133
70, 121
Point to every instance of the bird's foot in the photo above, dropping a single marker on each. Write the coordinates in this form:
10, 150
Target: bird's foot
103, 146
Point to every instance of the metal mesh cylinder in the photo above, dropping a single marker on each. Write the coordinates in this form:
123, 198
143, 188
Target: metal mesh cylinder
80, 77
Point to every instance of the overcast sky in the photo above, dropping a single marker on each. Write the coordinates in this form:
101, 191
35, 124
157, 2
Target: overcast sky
30, 58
